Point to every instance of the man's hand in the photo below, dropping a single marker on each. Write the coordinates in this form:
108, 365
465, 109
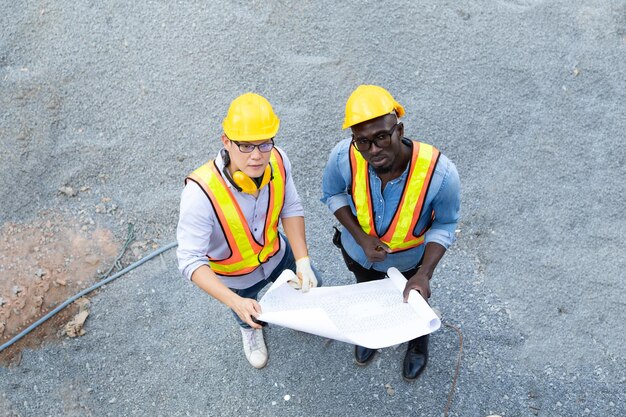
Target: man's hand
306, 276
246, 308
374, 248
419, 282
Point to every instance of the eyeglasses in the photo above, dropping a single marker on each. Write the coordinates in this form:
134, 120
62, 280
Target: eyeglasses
249, 147
382, 140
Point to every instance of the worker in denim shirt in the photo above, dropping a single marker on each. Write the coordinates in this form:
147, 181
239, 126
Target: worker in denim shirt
398, 201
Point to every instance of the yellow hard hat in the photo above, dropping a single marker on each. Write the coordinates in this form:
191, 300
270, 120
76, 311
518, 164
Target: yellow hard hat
368, 102
250, 117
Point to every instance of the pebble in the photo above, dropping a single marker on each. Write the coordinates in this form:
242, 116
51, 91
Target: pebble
38, 301
287, 397
68, 191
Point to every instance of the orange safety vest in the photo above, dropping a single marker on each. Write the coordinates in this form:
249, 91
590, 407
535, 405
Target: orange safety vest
400, 235
246, 253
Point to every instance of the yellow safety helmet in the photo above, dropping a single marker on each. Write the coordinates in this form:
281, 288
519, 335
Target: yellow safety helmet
368, 102
250, 118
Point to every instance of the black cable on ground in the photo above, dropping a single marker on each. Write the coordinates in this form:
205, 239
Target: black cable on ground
446, 410
130, 236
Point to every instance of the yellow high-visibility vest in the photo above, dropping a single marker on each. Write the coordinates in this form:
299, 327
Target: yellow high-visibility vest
401, 232
246, 253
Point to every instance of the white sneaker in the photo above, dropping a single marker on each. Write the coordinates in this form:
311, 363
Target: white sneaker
254, 347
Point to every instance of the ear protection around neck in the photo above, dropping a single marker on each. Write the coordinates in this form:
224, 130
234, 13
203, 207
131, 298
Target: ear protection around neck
243, 182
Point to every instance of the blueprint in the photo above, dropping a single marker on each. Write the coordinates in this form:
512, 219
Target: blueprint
369, 314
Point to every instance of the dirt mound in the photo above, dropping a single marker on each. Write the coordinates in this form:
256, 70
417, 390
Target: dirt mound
41, 265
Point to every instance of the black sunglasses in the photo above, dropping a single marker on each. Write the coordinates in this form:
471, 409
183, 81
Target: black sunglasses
382, 140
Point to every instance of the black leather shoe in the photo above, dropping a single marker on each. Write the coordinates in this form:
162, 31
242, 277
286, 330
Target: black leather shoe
363, 355
416, 358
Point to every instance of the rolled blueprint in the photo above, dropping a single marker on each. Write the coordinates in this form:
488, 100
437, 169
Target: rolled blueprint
370, 314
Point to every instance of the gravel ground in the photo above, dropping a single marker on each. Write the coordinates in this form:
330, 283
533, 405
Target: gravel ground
123, 99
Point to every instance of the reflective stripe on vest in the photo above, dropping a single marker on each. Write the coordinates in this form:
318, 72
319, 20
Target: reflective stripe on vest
400, 234
246, 254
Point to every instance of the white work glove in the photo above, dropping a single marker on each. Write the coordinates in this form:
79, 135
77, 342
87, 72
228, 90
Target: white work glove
306, 276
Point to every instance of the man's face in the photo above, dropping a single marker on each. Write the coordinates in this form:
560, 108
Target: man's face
382, 130
253, 163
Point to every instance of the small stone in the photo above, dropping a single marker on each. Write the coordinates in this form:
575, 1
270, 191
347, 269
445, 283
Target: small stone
92, 260
287, 397
17, 289
112, 400
40, 273
463, 14
38, 301
68, 191
390, 390
60, 281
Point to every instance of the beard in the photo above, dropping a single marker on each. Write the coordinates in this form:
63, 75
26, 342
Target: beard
383, 170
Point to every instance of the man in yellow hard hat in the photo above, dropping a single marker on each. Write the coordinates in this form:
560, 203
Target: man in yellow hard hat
397, 199
228, 239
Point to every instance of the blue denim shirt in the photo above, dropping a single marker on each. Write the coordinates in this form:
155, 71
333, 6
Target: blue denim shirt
443, 196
